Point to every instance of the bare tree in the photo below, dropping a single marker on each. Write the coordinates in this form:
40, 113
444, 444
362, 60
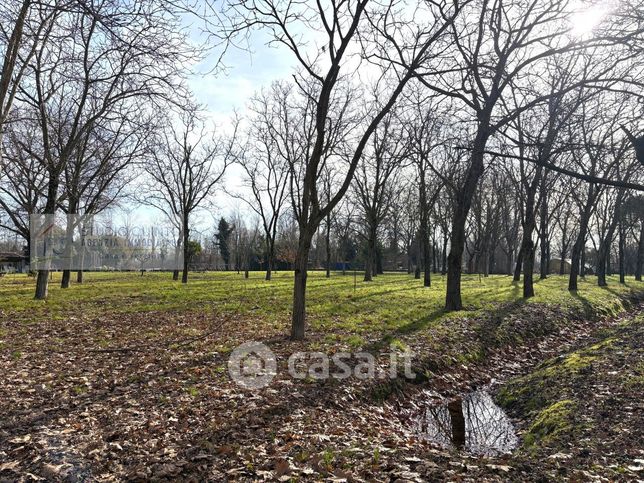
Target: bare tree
23, 178
376, 184
424, 140
347, 27
103, 59
265, 162
505, 49
95, 175
184, 171
594, 133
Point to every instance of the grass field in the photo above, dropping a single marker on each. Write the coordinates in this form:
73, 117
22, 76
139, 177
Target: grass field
125, 376
392, 301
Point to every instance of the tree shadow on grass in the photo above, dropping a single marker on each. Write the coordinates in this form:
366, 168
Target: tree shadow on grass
409, 328
385, 292
488, 331
588, 307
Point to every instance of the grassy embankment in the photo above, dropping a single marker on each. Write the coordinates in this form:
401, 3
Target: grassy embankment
585, 409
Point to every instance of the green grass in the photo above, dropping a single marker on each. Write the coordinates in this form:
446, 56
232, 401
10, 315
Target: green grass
391, 303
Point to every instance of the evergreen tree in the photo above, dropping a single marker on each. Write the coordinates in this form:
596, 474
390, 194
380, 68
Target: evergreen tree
224, 230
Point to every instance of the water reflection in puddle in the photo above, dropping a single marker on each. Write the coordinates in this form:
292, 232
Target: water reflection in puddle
472, 423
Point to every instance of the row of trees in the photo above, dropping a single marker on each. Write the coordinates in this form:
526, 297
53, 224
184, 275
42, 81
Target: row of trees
456, 129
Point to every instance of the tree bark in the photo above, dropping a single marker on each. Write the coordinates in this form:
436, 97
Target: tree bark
270, 258
528, 270
457, 419
639, 264
603, 255
42, 284
582, 262
518, 265
69, 238
186, 247
444, 255
298, 323
564, 251
328, 246
427, 281
578, 250
545, 252
175, 273
371, 254
622, 242
418, 257
462, 206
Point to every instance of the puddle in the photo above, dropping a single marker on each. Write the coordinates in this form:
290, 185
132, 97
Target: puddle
472, 423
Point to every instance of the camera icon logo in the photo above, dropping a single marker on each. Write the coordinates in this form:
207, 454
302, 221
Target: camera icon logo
252, 365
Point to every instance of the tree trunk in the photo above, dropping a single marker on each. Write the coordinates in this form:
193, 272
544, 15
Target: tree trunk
427, 281
543, 269
453, 297
424, 226
42, 284
609, 269
418, 258
298, 324
508, 262
519, 264
564, 250
582, 263
270, 258
444, 256
328, 246
601, 267
462, 206
377, 270
69, 236
186, 239
543, 222
603, 254
175, 273
67, 275
370, 261
639, 264
578, 255
575, 260
622, 242
434, 256
528, 270
79, 273
457, 419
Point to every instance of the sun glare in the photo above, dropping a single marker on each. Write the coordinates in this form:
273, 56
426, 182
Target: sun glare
585, 21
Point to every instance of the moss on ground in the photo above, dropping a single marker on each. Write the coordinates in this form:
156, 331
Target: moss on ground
550, 421
585, 394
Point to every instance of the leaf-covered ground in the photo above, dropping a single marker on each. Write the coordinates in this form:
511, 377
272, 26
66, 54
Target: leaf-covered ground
126, 377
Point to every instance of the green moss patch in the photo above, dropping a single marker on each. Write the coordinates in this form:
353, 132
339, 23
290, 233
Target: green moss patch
550, 422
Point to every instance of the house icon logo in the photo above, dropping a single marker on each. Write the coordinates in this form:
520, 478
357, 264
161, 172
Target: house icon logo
252, 365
